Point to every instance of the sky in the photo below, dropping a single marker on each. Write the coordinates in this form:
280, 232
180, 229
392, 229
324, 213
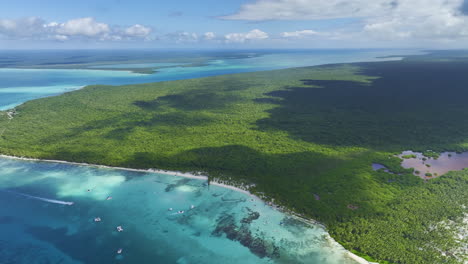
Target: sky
233, 24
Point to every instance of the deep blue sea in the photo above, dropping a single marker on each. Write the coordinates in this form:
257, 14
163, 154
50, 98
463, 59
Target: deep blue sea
165, 219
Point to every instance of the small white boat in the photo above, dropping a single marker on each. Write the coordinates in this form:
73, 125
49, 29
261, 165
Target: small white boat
97, 219
170, 209
119, 251
192, 206
119, 228
109, 198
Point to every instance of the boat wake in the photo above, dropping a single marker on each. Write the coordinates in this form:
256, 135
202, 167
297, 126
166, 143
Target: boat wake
40, 198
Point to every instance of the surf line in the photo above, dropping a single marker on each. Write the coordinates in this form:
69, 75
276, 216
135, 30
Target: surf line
41, 198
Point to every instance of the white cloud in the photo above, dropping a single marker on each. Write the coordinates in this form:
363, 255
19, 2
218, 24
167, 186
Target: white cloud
7, 26
209, 36
377, 19
138, 31
34, 28
310, 9
418, 19
308, 33
183, 37
22, 28
51, 24
255, 34
300, 34
60, 37
86, 26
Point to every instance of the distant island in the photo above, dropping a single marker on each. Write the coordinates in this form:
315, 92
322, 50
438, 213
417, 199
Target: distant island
304, 139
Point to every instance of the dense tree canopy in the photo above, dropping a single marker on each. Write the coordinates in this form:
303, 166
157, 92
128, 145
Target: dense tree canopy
306, 137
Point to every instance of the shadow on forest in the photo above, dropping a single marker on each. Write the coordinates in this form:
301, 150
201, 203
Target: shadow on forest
215, 95
205, 99
122, 125
177, 111
174, 111
409, 105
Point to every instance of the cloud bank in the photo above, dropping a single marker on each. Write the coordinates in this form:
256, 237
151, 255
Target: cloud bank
87, 28
300, 34
262, 10
255, 34
378, 19
34, 28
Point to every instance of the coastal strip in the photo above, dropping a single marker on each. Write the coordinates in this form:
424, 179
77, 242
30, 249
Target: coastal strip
351, 255
166, 172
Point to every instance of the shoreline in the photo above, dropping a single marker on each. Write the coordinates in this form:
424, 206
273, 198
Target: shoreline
13, 106
165, 172
351, 255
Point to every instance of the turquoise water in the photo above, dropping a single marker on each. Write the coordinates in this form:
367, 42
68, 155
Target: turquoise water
136, 65
20, 85
223, 226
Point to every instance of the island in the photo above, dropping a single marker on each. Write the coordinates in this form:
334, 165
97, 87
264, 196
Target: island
303, 139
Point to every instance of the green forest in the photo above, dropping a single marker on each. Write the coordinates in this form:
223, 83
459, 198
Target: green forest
296, 134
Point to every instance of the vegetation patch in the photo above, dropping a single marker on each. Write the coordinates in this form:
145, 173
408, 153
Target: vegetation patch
304, 138
409, 156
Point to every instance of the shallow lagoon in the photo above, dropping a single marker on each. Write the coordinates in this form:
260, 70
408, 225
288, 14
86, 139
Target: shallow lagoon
21, 85
38, 231
447, 161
